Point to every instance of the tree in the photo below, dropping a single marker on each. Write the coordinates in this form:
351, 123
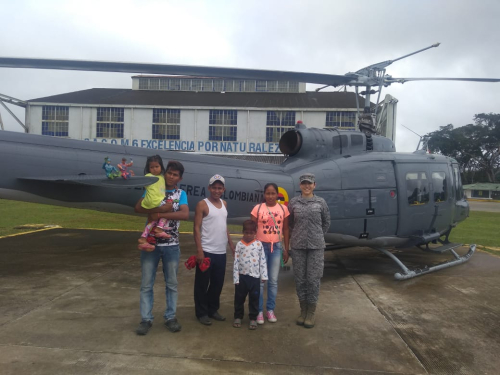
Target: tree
474, 146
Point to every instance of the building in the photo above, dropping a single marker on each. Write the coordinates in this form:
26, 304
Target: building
197, 114
484, 190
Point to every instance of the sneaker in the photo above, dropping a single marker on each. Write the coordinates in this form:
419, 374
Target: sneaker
173, 325
143, 328
217, 316
271, 318
260, 318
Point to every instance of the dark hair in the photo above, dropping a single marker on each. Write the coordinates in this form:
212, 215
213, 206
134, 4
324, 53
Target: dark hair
175, 166
265, 188
154, 158
271, 184
250, 225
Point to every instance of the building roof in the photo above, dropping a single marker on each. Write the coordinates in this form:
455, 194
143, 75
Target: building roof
483, 186
305, 100
184, 77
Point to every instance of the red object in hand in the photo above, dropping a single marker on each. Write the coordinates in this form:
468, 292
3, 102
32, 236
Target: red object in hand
190, 263
204, 265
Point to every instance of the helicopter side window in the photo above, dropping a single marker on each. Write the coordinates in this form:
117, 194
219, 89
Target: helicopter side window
440, 186
417, 188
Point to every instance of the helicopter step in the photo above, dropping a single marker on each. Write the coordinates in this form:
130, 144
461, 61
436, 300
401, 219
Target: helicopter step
441, 249
409, 274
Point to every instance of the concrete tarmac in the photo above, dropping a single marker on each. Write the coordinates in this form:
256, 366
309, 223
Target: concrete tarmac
69, 304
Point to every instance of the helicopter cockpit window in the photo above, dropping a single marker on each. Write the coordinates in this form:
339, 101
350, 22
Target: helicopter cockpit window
340, 142
417, 188
440, 186
458, 184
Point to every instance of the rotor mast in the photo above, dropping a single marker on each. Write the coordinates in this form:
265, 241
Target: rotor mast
369, 76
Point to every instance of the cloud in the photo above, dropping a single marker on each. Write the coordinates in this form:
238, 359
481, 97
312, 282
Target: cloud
313, 36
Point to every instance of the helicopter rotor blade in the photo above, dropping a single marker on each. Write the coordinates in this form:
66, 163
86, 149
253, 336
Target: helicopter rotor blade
388, 81
384, 64
191, 70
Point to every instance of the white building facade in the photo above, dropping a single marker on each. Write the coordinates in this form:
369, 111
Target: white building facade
204, 115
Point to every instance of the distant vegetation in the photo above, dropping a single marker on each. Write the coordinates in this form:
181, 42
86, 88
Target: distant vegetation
474, 146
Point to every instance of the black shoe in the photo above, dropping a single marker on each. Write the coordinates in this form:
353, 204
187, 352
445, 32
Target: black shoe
143, 328
173, 325
204, 320
217, 316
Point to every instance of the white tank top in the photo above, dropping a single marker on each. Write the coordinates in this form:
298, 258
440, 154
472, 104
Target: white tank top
214, 229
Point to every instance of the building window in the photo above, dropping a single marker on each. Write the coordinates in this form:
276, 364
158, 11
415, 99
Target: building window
143, 83
174, 84
109, 123
480, 194
249, 86
218, 85
278, 123
417, 188
185, 84
340, 119
282, 86
228, 85
261, 86
293, 86
154, 84
223, 125
166, 123
164, 84
196, 84
440, 186
55, 121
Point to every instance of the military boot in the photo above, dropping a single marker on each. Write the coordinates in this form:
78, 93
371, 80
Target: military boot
303, 313
311, 310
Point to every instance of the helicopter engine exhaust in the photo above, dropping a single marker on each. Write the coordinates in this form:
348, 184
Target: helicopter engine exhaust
290, 143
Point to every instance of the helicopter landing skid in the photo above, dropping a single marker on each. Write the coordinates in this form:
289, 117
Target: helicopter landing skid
409, 274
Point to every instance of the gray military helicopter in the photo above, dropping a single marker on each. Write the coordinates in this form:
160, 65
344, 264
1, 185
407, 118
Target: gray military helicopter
377, 198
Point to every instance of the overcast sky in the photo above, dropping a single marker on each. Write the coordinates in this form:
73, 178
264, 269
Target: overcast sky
325, 36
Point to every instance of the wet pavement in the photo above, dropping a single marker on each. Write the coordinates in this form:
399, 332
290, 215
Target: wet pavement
69, 304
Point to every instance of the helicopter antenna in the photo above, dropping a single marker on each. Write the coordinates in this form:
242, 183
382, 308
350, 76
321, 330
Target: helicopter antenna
423, 140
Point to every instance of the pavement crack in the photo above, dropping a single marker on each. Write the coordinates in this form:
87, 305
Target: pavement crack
190, 358
386, 317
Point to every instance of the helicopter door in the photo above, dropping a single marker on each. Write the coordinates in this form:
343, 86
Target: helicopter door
441, 196
415, 205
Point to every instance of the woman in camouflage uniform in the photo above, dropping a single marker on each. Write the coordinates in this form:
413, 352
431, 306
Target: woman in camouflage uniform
309, 221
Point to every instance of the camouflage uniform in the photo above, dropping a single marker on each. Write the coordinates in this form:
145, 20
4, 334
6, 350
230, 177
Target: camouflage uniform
309, 221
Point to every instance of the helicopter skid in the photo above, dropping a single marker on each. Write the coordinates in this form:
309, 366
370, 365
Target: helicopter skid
409, 274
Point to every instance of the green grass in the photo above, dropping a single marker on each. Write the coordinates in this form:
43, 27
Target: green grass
15, 213
481, 228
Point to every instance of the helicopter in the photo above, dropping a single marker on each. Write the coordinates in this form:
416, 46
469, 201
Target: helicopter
378, 198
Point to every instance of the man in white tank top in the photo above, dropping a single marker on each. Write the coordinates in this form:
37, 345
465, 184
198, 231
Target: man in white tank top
211, 238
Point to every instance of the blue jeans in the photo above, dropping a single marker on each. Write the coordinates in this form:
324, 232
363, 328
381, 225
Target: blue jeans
169, 256
273, 268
